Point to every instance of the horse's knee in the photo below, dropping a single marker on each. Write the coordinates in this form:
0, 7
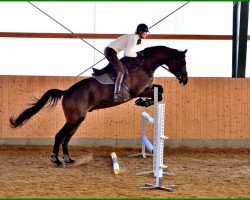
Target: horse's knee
160, 88
160, 91
159, 97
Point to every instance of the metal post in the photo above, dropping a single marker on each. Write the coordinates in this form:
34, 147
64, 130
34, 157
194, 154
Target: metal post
240, 28
143, 131
159, 166
155, 128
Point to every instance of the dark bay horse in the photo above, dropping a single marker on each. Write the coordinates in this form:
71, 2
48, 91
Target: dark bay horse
88, 94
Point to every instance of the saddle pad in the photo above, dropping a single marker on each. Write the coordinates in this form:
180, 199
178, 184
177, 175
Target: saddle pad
104, 79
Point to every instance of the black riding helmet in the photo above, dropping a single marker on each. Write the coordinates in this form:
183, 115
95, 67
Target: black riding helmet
141, 28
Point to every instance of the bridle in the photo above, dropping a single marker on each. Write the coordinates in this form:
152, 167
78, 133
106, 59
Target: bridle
177, 74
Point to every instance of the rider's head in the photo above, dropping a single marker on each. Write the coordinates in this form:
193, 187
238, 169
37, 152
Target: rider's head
142, 30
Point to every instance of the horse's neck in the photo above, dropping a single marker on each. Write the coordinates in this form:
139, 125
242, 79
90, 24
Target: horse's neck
155, 60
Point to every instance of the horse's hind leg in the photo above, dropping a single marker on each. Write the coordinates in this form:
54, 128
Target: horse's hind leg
66, 130
66, 157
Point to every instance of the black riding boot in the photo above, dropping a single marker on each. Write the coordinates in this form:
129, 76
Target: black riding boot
118, 97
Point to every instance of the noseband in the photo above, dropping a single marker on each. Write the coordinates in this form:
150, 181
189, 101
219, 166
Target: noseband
176, 74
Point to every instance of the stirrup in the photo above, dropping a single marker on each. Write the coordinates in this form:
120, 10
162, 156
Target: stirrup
118, 97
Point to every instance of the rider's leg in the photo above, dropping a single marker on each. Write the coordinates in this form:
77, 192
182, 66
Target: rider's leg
111, 56
117, 91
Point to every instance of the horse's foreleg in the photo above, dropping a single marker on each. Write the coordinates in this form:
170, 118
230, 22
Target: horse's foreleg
160, 90
66, 157
149, 93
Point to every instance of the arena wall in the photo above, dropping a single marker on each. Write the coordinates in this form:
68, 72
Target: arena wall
212, 112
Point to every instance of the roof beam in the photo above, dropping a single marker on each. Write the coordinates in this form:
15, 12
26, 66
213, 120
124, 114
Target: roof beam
113, 36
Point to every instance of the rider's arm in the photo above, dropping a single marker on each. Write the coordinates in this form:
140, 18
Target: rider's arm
129, 51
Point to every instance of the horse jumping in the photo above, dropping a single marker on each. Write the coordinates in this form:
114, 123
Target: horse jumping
88, 94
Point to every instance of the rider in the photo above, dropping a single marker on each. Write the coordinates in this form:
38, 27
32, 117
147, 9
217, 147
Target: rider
124, 43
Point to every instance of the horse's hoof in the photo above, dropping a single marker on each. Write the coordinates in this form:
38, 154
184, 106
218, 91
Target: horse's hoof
139, 102
71, 161
57, 162
149, 103
54, 159
67, 159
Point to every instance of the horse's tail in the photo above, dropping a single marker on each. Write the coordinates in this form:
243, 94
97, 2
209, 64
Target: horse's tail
50, 97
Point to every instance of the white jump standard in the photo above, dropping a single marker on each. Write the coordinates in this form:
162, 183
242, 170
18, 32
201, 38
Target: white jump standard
146, 144
157, 148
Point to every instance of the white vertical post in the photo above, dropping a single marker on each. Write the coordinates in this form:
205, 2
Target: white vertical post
155, 128
160, 145
143, 131
159, 166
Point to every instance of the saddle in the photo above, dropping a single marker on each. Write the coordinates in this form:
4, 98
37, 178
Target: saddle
107, 75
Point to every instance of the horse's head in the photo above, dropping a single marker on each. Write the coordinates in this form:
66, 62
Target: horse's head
174, 59
177, 66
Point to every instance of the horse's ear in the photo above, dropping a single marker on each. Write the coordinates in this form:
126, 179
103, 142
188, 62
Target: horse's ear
184, 52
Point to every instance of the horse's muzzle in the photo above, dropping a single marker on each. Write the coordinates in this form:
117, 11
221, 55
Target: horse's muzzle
183, 80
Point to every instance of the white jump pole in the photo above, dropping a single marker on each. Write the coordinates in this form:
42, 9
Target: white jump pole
148, 117
147, 143
115, 163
